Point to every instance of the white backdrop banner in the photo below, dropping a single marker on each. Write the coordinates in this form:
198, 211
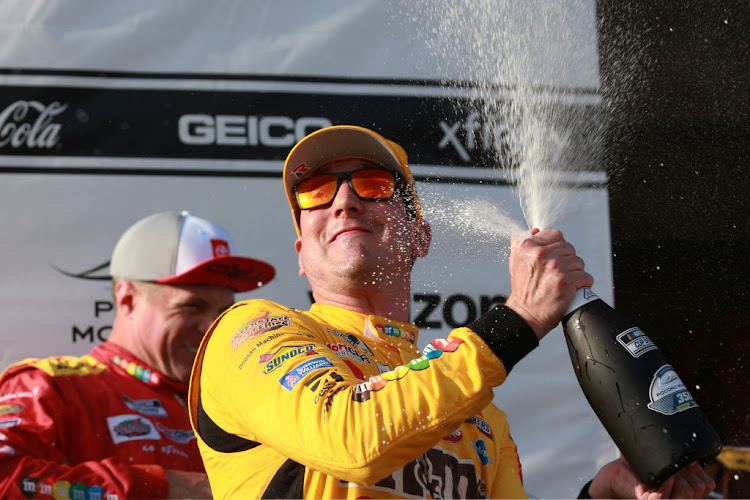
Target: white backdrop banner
112, 111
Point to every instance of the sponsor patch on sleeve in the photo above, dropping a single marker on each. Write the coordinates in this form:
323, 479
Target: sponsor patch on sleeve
481, 424
293, 376
10, 410
266, 323
273, 360
9, 423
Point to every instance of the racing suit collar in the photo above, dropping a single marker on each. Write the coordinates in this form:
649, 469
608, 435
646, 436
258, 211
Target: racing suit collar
121, 359
402, 335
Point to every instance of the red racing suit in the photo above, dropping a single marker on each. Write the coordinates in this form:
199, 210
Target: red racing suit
102, 425
330, 403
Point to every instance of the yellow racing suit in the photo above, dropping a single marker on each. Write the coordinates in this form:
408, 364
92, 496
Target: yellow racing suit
330, 403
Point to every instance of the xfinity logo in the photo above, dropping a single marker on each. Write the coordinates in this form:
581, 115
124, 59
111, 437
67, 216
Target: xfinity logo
29, 124
472, 134
240, 130
490, 134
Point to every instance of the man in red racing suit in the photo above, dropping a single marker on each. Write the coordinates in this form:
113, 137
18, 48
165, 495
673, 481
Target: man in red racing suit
102, 423
113, 424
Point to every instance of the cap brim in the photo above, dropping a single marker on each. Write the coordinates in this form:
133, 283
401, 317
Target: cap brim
241, 274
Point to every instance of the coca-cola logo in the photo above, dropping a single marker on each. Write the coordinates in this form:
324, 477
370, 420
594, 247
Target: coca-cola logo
30, 124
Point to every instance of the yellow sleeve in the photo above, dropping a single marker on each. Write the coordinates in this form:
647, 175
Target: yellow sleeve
508, 479
268, 376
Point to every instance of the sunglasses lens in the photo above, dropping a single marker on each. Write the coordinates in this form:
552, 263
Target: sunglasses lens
316, 191
374, 184
320, 190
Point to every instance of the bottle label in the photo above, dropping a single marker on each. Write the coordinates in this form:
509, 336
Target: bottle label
582, 297
668, 394
635, 342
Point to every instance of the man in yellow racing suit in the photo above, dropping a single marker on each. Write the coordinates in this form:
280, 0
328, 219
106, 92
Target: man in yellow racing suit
348, 395
337, 402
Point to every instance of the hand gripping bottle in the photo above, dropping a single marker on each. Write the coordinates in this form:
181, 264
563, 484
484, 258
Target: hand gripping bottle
635, 392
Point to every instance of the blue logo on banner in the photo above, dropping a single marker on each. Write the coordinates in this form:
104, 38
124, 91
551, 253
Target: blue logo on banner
290, 379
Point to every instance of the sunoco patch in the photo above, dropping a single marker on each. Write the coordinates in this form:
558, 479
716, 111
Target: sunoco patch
668, 394
283, 354
636, 342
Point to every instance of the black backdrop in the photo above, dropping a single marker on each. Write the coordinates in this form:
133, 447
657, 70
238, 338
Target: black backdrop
676, 87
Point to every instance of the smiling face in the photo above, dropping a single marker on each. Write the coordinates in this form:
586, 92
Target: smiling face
163, 324
352, 243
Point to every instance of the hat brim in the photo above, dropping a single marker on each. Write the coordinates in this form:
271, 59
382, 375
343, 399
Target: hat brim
241, 274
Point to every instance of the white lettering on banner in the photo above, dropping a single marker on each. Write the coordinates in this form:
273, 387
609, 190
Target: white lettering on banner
17, 128
492, 135
238, 130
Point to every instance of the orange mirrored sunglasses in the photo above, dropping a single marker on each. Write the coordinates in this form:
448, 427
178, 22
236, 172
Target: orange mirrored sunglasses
369, 184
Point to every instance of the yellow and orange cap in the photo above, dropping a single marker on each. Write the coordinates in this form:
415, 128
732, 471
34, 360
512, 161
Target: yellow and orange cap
339, 142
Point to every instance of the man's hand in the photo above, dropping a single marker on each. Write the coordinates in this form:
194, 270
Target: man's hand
618, 480
184, 484
545, 273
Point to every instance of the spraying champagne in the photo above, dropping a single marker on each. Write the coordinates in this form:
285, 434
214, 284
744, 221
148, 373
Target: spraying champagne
636, 394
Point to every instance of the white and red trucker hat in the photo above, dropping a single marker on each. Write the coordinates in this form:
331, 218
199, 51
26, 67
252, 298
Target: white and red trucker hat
181, 249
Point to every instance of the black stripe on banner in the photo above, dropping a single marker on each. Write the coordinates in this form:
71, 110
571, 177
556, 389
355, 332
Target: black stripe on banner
485, 86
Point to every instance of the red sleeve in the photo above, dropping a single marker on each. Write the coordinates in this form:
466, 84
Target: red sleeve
37, 429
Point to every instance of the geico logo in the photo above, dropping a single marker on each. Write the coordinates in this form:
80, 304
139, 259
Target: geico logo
239, 130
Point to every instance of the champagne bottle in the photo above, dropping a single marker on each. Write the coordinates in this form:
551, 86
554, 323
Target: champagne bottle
635, 392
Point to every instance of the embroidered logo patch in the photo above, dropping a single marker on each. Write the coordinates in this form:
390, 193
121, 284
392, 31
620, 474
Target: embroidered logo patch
131, 427
176, 435
10, 409
481, 450
481, 424
148, 407
292, 377
283, 354
266, 323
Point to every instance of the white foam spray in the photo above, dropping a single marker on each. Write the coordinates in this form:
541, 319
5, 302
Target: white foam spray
527, 123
